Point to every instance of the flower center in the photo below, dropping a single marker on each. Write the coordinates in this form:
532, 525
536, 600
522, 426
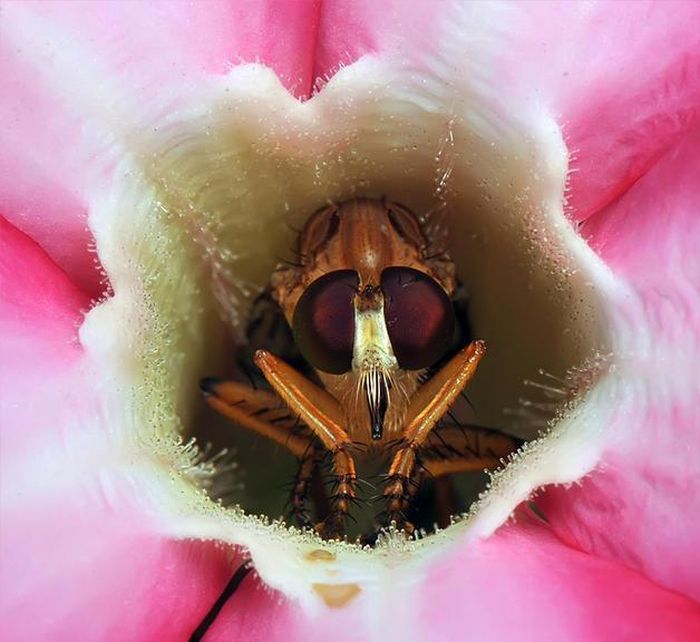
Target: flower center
207, 207
506, 293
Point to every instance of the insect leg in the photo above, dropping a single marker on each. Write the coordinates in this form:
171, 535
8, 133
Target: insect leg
441, 467
321, 412
430, 403
485, 447
257, 410
467, 448
308, 465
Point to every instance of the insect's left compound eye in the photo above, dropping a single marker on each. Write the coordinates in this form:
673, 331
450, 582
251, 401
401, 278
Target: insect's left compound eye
324, 321
419, 317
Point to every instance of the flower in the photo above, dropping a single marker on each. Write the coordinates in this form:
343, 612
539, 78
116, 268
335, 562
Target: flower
142, 122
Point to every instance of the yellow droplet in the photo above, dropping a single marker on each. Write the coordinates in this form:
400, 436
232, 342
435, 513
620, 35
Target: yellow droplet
320, 555
336, 595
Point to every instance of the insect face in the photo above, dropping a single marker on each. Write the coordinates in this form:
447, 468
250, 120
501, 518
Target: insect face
368, 311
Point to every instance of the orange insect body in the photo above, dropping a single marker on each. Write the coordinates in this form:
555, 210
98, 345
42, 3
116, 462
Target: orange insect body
371, 312
365, 237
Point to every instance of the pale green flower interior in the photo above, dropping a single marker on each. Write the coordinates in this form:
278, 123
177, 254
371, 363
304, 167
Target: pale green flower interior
204, 209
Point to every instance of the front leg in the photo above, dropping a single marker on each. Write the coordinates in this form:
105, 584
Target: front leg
428, 406
321, 412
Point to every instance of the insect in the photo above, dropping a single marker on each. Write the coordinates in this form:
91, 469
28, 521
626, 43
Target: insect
371, 311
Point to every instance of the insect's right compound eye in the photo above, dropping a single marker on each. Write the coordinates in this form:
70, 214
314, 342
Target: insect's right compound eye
324, 321
419, 317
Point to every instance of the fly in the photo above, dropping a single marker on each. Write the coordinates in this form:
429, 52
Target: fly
371, 310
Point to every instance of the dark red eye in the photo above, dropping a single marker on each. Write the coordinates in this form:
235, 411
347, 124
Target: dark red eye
419, 317
324, 321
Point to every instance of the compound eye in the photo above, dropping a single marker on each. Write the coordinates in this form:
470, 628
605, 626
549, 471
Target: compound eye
324, 321
419, 317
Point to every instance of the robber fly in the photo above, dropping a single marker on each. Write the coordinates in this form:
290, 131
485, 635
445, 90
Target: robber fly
371, 312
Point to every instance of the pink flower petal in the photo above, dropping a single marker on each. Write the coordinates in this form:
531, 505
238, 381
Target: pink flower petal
159, 589
106, 574
532, 587
624, 78
38, 299
80, 552
393, 28
49, 152
641, 506
41, 312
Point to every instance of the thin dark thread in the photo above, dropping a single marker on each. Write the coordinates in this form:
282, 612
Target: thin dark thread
230, 589
464, 396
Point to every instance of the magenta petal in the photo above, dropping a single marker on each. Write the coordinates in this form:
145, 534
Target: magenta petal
622, 78
80, 551
52, 150
532, 587
106, 574
641, 506
38, 300
40, 314
392, 28
40, 174
635, 95
307, 41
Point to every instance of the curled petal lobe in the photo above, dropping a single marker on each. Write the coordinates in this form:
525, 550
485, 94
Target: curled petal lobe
105, 572
41, 311
140, 52
635, 507
50, 149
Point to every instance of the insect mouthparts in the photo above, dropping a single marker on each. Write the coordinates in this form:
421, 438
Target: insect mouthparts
378, 401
